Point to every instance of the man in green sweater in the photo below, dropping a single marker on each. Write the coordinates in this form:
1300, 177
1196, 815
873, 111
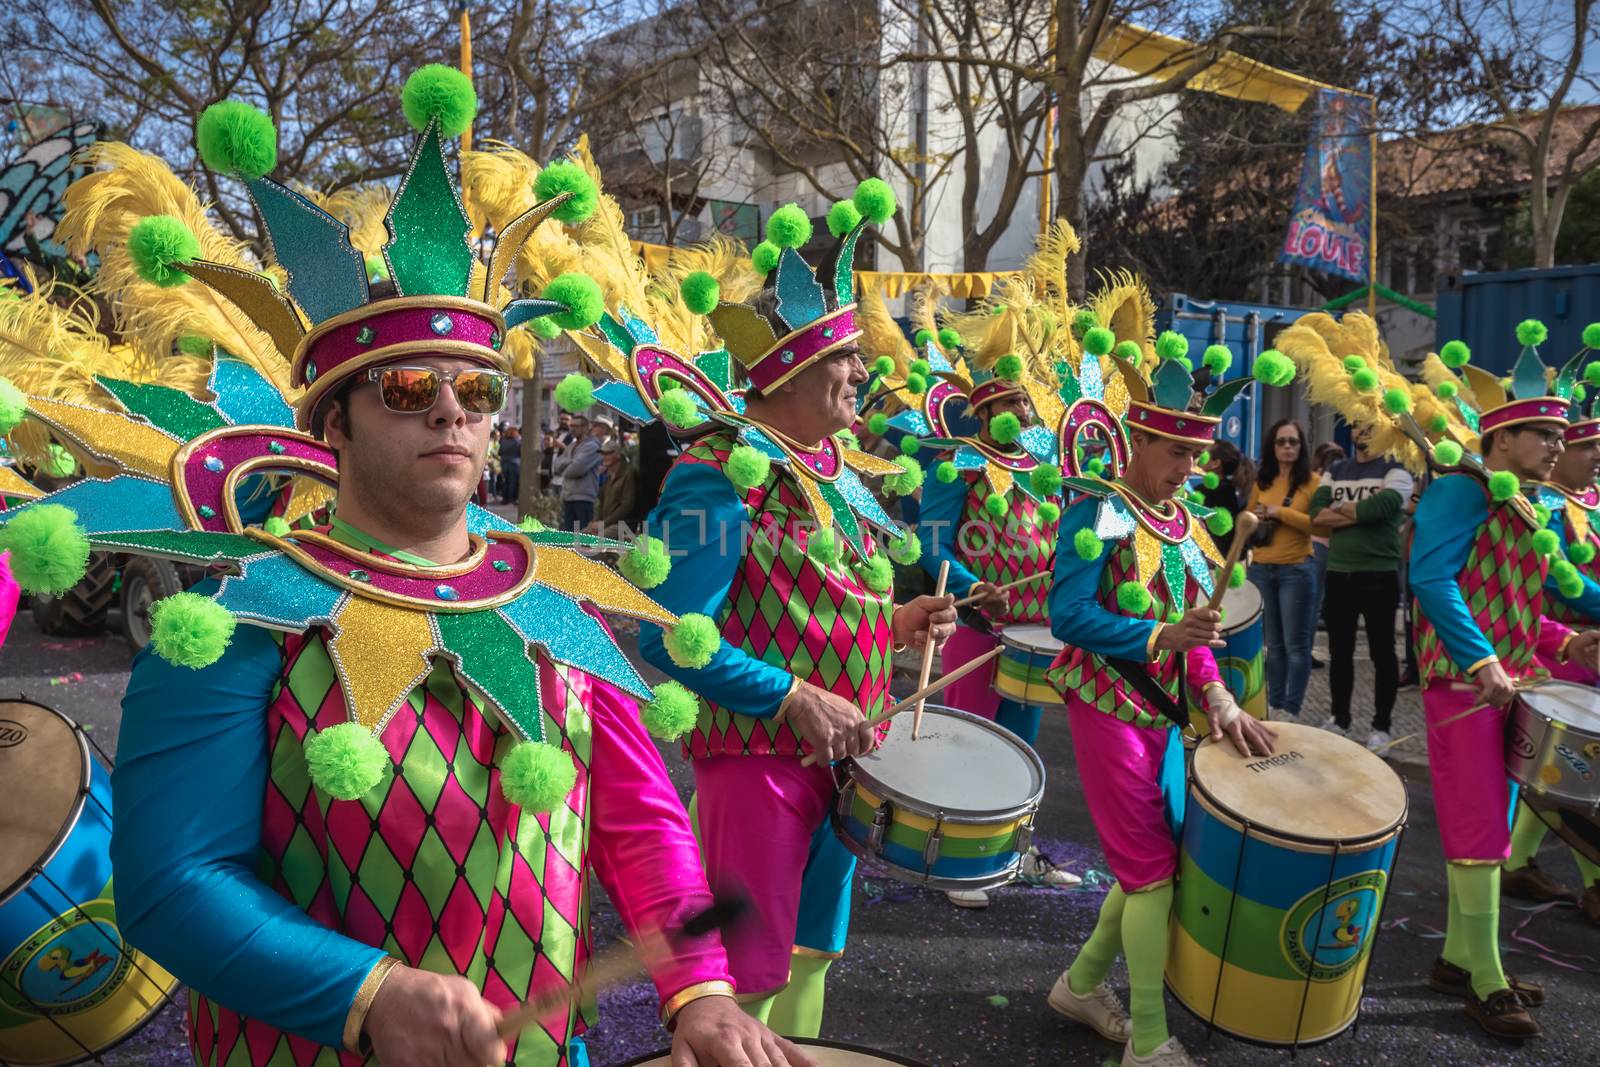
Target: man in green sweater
1361, 501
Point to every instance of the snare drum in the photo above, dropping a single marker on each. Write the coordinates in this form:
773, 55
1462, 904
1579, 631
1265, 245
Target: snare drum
1553, 745
1243, 662
1028, 653
69, 987
951, 810
1281, 882
826, 1053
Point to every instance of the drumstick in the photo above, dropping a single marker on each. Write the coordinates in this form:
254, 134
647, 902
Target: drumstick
927, 656
964, 601
923, 693
1520, 686
1243, 526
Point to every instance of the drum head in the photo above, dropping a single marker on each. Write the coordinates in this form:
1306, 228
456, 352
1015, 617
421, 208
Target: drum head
1575, 705
1317, 786
826, 1053
44, 769
1034, 638
960, 764
1241, 607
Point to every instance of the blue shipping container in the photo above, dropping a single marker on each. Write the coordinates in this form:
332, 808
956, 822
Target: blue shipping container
1483, 310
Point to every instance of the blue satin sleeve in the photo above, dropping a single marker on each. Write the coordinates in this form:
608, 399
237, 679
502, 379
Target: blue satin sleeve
704, 526
188, 791
942, 505
1586, 603
1076, 615
1447, 520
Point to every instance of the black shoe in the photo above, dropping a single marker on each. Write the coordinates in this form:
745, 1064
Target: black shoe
1317, 664
1502, 1014
1408, 681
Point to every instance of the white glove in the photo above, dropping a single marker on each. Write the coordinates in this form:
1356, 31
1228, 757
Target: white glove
1221, 707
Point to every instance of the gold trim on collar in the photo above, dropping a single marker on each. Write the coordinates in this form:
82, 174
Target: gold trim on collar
790, 447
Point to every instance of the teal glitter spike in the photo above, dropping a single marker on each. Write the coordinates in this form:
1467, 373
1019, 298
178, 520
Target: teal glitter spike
716, 366
638, 327
617, 334
427, 250
1112, 520
799, 296
1039, 443
935, 358
245, 398
1224, 396
911, 422
843, 514
623, 399
1071, 390
327, 276
275, 591
480, 520
844, 271
172, 410
111, 506
571, 635
1090, 381
861, 500
1198, 566
1171, 386
520, 311
193, 546
493, 657
1175, 571
1528, 376
969, 459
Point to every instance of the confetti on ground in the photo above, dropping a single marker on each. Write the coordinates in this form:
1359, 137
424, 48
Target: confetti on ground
998, 1000
67, 679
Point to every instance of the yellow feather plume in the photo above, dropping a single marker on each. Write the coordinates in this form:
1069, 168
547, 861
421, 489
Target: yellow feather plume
360, 207
1047, 267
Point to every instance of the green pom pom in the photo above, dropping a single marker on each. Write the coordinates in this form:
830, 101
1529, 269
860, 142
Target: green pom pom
922, 338
877, 422
14, 406
946, 472
1591, 373
995, 505
1049, 512
1273, 368
1448, 390
1438, 424
1128, 351
235, 138
1455, 354
916, 384
883, 366
1096, 466
1365, 379
49, 550
192, 344
1005, 428
1218, 358
843, 217
678, 408
1171, 345
1220, 522
1545, 542
529, 524
646, 564
700, 292
1542, 514
582, 297
1582, 552
671, 712
1087, 545
848, 440
1503, 485
1045, 480
1570, 585
1084, 320
545, 327
905, 549
1447, 453
747, 467
909, 445
536, 777
1008, 368
764, 257
190, 630
1354, 363
276, 525
157, 244
439, 92
1133, 598
920, 366
824, 547
950, 339
875, 200
1210, 480
1098, 340
878, 573
789, 227
60, 463
1236, 579
693, 641
568, 176
906, 482
1591, 335
574, 393
345, 761
1531, 332
1397, 401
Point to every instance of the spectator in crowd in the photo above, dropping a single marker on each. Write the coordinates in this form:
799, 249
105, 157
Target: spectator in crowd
548, 444
1327, 454
619, 491
510, 464
1408, 677
1235, 474
656, 453
1281, 567
577, 466
564, 431
1361, 502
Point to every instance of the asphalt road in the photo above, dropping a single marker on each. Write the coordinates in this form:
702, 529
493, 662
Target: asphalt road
928, 981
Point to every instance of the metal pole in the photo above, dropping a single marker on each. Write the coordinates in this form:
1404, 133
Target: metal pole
1372, 214
466, 67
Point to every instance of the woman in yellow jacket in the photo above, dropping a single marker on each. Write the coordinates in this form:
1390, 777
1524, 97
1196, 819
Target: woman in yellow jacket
1282, 567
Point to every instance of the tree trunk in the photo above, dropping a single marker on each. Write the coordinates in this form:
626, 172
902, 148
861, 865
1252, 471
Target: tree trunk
532, 441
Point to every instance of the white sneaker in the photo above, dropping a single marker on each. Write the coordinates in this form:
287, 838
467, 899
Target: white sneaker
1167, 1054
1334, 728
968, 898
1377, 739
1099, 1009
1039, 869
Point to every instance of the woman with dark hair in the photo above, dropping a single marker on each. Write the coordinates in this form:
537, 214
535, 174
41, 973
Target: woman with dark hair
1281, 566
1235, 475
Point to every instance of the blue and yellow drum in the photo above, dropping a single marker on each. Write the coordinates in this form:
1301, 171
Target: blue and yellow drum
69, 986
1027, 653
1281, 883
1243, 663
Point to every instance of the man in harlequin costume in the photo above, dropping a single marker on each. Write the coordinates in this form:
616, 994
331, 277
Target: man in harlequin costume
768, 527
360, 826
1478, 634
1135, 563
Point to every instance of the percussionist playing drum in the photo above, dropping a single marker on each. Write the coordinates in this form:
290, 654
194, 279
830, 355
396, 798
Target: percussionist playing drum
1478, 575
1122, 602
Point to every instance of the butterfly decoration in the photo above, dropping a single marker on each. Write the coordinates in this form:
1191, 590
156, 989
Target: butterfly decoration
33, 189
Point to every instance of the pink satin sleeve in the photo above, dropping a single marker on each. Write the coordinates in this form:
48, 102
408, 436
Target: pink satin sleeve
10, 595
1552, 635
1202, 669
643, 849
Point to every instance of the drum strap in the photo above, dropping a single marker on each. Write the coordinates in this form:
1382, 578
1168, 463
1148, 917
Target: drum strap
1138, 676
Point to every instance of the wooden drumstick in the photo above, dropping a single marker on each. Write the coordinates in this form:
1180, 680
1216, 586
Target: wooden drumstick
964, 601
1243, 526
927, 655
922, 694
